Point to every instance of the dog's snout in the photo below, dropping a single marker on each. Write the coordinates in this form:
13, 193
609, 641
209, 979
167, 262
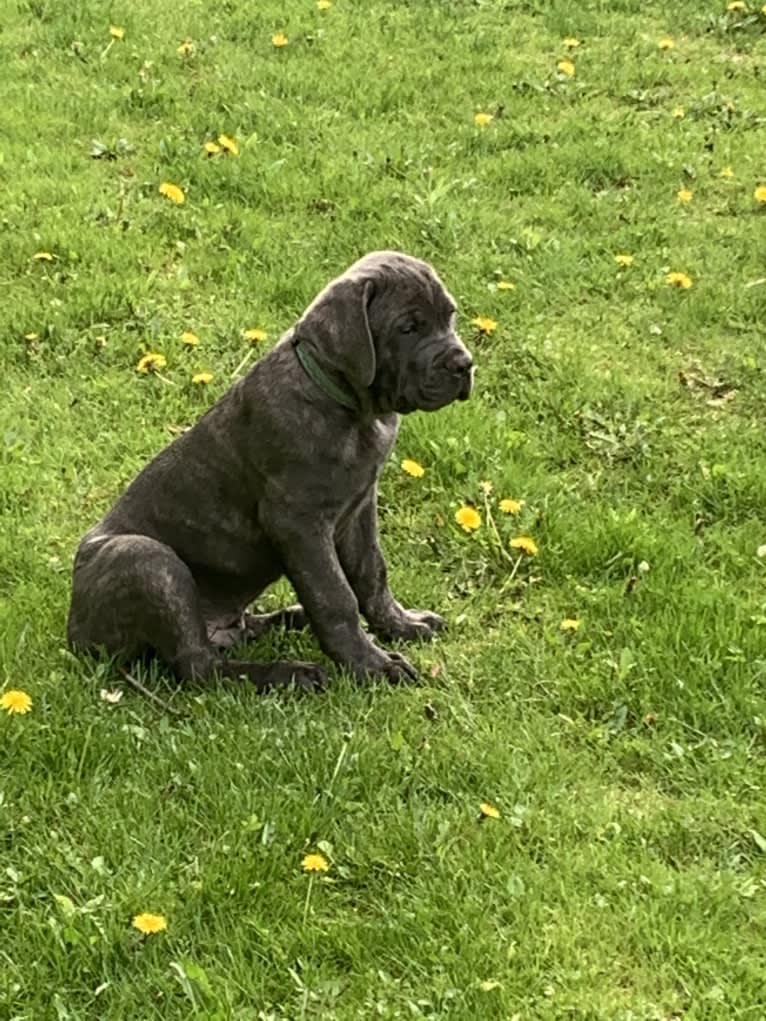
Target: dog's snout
459, 361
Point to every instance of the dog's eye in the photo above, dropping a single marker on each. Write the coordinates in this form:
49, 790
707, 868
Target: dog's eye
410, 326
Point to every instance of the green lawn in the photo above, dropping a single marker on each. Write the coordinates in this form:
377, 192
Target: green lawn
625, 877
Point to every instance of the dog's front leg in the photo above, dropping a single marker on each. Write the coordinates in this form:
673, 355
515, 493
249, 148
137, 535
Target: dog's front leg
365, 567
311, 563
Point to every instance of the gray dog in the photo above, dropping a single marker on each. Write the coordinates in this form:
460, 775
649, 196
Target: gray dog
280, 478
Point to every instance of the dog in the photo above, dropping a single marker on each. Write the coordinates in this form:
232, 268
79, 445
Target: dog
280, 478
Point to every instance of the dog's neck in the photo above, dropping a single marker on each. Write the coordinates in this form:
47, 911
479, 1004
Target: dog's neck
335, 389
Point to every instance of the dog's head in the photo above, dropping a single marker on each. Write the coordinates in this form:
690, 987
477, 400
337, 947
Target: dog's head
388, 327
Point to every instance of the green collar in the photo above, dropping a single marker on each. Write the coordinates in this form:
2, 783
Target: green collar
340, 394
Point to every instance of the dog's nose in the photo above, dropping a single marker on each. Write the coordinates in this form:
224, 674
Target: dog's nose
459, 362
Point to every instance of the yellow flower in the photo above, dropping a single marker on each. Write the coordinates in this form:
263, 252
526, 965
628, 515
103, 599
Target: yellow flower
525, 543
760, 193
736, 5
684, 195
280, 39
468, 518
679, 111
571, 42
255, 335
763, 9
149, 924
505, 285
488, 811
676, 279
324, 5
228, 144
666, 43
484, 324
15, 701
43, 256
511, 506
202, 378
570, 624
726, 172
31, 337
211, 148
417, 471
116, 32
189, 338
315, 863
623, 259
566, 67
151, 361
186, 48
172, 192
483, 119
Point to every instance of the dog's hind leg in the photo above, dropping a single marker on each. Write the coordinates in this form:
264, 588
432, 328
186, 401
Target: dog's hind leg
132, 593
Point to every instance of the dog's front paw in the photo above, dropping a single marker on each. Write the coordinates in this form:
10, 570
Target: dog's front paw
412, 626
389, 665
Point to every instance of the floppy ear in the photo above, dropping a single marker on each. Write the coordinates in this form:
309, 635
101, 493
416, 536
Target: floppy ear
336, 326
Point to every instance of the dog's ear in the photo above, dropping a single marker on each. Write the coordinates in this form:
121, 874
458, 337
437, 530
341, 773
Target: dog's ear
337, 328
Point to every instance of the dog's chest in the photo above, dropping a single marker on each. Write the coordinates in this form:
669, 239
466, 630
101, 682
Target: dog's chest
369, 446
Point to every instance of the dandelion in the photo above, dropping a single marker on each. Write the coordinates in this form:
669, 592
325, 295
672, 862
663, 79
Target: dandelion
735, 6
676, 279
488, 811
43, 256
483, 119
566, 67
256, 335
116, 32
185, 48
726, 172
150, 362
278, 40
679, 112
149, 924
189, 338
417, 471
212, 148
623, 259
569, 624
468, 518
324, 5
228, 144
684, 195
666, 43
760, 193
484, 324
763, 9
570, 42
172, 192
315, 863
508, 506
31, 337
505, 285
202, 378
525, 543
15, 701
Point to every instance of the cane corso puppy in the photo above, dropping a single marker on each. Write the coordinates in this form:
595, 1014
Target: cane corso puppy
280, 478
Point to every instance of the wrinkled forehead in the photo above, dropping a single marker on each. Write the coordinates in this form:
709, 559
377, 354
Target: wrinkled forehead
408, 281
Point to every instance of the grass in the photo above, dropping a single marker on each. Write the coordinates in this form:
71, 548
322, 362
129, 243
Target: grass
625, 878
